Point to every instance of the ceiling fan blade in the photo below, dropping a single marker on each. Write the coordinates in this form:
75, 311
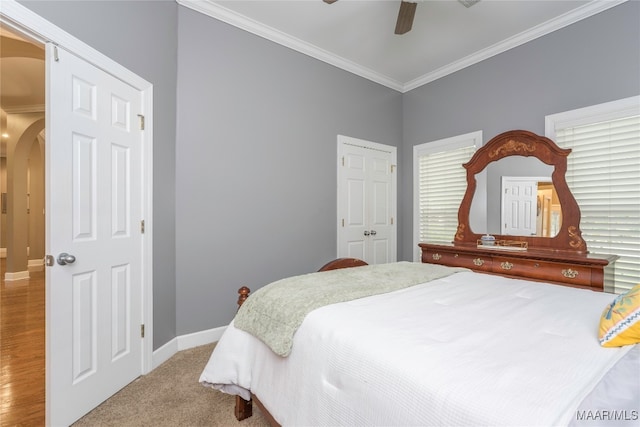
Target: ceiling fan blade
405, 17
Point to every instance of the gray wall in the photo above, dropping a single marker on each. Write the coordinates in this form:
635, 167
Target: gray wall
143, 37
247, 193
256, 162
592, 61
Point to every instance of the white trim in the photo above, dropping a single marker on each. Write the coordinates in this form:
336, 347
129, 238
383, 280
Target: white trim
451, 143
540, 30
348, 140
35, 264
147, 216
200, 338
601, 112
17, 275
223, 14
164, 353
214, 10
25, 21
23, 109
185, 342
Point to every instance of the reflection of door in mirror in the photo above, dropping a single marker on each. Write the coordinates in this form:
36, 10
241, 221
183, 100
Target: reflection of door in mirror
530, 207
550, 217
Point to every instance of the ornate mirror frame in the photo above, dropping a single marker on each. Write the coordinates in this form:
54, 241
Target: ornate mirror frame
525, 143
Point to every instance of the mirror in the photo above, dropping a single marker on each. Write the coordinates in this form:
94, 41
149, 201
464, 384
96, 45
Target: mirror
510, 151
486, 206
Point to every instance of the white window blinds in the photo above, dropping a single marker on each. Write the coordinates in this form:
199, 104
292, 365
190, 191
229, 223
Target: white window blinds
441, 184
603, 172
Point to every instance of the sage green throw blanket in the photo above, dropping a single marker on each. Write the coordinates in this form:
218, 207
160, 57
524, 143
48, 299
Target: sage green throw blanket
274, 312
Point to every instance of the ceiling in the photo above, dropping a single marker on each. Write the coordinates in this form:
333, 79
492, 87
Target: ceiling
22, 81
358, 35
22, 78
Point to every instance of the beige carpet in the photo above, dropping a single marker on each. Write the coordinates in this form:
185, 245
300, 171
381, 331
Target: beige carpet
171, 396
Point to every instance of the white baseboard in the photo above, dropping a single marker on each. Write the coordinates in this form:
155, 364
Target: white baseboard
185, 342
200, 338
164, 353
18, 275
35, 264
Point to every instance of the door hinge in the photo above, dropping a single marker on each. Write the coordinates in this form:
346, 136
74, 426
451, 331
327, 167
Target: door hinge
392, 168
141, 117
56, 58
342, 160
142, 226
391, 220
343, 222
142, 331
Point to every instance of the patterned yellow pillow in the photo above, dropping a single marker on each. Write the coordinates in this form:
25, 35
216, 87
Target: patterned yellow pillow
620, 321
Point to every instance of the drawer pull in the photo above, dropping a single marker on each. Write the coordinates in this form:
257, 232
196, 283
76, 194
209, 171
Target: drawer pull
506, 265
478, 262
455, 256
569, 273
436, 257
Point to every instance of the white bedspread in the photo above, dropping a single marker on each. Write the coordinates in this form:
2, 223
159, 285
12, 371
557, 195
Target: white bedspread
469, 349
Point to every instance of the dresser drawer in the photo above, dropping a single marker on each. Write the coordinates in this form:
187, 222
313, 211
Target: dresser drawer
549, 271
453, 259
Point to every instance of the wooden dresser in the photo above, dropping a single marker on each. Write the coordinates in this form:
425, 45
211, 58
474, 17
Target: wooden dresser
562, 259
590, 271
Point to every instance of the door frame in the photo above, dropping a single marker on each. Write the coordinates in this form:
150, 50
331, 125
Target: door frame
393, 151
39, 29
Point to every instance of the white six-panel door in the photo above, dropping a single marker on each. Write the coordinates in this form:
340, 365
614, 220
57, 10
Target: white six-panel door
519, 206
94, 210
366, 200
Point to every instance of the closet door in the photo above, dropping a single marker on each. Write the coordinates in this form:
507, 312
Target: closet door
95, 276
366, 200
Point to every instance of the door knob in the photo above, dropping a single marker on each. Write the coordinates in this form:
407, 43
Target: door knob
366, 233
64, 259
374, 232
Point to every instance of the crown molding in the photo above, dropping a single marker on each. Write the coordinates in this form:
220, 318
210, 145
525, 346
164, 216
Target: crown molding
543, 29
214, 10
223, 14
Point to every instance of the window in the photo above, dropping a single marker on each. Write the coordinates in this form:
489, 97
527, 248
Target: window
440, 182
603, 172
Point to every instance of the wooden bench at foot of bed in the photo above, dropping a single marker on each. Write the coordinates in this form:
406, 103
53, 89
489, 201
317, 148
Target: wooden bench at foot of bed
244, 408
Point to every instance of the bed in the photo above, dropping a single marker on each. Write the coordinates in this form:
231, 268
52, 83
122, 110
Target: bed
465, 338
464, 348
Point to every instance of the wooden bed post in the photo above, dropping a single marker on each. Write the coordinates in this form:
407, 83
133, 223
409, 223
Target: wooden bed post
244, 408
244, 294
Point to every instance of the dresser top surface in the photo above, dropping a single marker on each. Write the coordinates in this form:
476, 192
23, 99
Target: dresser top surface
530, 253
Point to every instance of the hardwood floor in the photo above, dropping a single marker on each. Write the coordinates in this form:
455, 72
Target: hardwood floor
22, 350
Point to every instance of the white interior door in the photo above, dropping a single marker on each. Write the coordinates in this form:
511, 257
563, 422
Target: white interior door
519, 206
94, 208
366, 200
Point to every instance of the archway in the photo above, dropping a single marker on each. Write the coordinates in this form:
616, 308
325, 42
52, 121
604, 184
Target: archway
23, 143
